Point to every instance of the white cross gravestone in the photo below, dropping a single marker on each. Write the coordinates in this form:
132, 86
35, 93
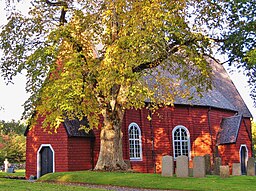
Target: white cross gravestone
6, 165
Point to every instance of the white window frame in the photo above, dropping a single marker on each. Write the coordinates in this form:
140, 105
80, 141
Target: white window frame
39, 158
140, 142
188, 141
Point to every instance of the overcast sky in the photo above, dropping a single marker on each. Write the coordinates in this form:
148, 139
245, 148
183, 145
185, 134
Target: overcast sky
13, 96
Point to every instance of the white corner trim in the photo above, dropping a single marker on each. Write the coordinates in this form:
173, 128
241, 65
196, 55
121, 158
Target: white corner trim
39, 158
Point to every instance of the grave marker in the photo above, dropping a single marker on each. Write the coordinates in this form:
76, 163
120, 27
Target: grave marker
224, 171
217, 164
167, 166
251, 167
199, 167
207, 159
6, 165
236, 169
182, 166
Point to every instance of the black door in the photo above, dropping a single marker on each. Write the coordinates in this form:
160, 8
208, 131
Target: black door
46, 160
243, 155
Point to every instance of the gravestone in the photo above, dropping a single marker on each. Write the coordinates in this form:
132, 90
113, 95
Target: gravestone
199, 167
217, 164
224, 171
251, 167
236, 169
190, 172
32, 178
182, 166
167, 166
207, 159
6, 165
10, 170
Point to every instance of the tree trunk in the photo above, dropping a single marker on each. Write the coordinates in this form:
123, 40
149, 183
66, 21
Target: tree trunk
111, 153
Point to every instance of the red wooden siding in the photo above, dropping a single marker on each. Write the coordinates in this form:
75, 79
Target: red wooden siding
79, 153
229, 153
203, 123
36, 137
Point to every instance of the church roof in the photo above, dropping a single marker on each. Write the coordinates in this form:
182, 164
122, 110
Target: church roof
229, 129
223, 94
73, 128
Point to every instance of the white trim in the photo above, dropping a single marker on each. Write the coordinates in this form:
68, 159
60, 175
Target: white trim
39, 160
140, 142
246, 157
188, 135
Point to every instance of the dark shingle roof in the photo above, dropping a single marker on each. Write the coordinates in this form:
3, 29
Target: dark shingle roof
73, 128
223, 95
211, 98
229, 129
226, 87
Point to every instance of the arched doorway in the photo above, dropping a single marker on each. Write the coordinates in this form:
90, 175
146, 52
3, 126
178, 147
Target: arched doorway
45, 160
243, 158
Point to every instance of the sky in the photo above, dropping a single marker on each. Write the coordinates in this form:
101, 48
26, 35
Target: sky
13, 96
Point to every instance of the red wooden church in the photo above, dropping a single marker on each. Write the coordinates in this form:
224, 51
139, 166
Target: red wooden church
219, 124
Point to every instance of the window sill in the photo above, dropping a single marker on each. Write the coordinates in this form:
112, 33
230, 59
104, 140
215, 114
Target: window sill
135, 160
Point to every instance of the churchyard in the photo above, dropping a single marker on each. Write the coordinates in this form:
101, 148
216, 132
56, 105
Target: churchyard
202, 167
64, 180
202, 177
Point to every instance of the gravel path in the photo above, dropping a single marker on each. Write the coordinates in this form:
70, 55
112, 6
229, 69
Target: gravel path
113, 188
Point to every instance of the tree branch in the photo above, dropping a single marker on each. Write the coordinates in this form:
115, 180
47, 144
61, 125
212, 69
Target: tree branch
171, 49
59, 3
64, 6
218, 40
147, 65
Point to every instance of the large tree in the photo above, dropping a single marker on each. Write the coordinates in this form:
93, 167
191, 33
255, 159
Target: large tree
97, 58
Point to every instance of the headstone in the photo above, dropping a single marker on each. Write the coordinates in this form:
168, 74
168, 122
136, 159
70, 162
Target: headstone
32, 178
182, 166
217, 164
251, 167
6, 165
190, 172
224, 171
10, 170
236, 169
167, 166
207, 159
199, 167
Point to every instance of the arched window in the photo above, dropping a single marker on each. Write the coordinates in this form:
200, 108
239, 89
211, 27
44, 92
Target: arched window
181, 141
135, 142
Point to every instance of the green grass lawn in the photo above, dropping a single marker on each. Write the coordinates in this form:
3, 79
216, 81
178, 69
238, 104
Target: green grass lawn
141, 180
7, 184
24, 185
18, 173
